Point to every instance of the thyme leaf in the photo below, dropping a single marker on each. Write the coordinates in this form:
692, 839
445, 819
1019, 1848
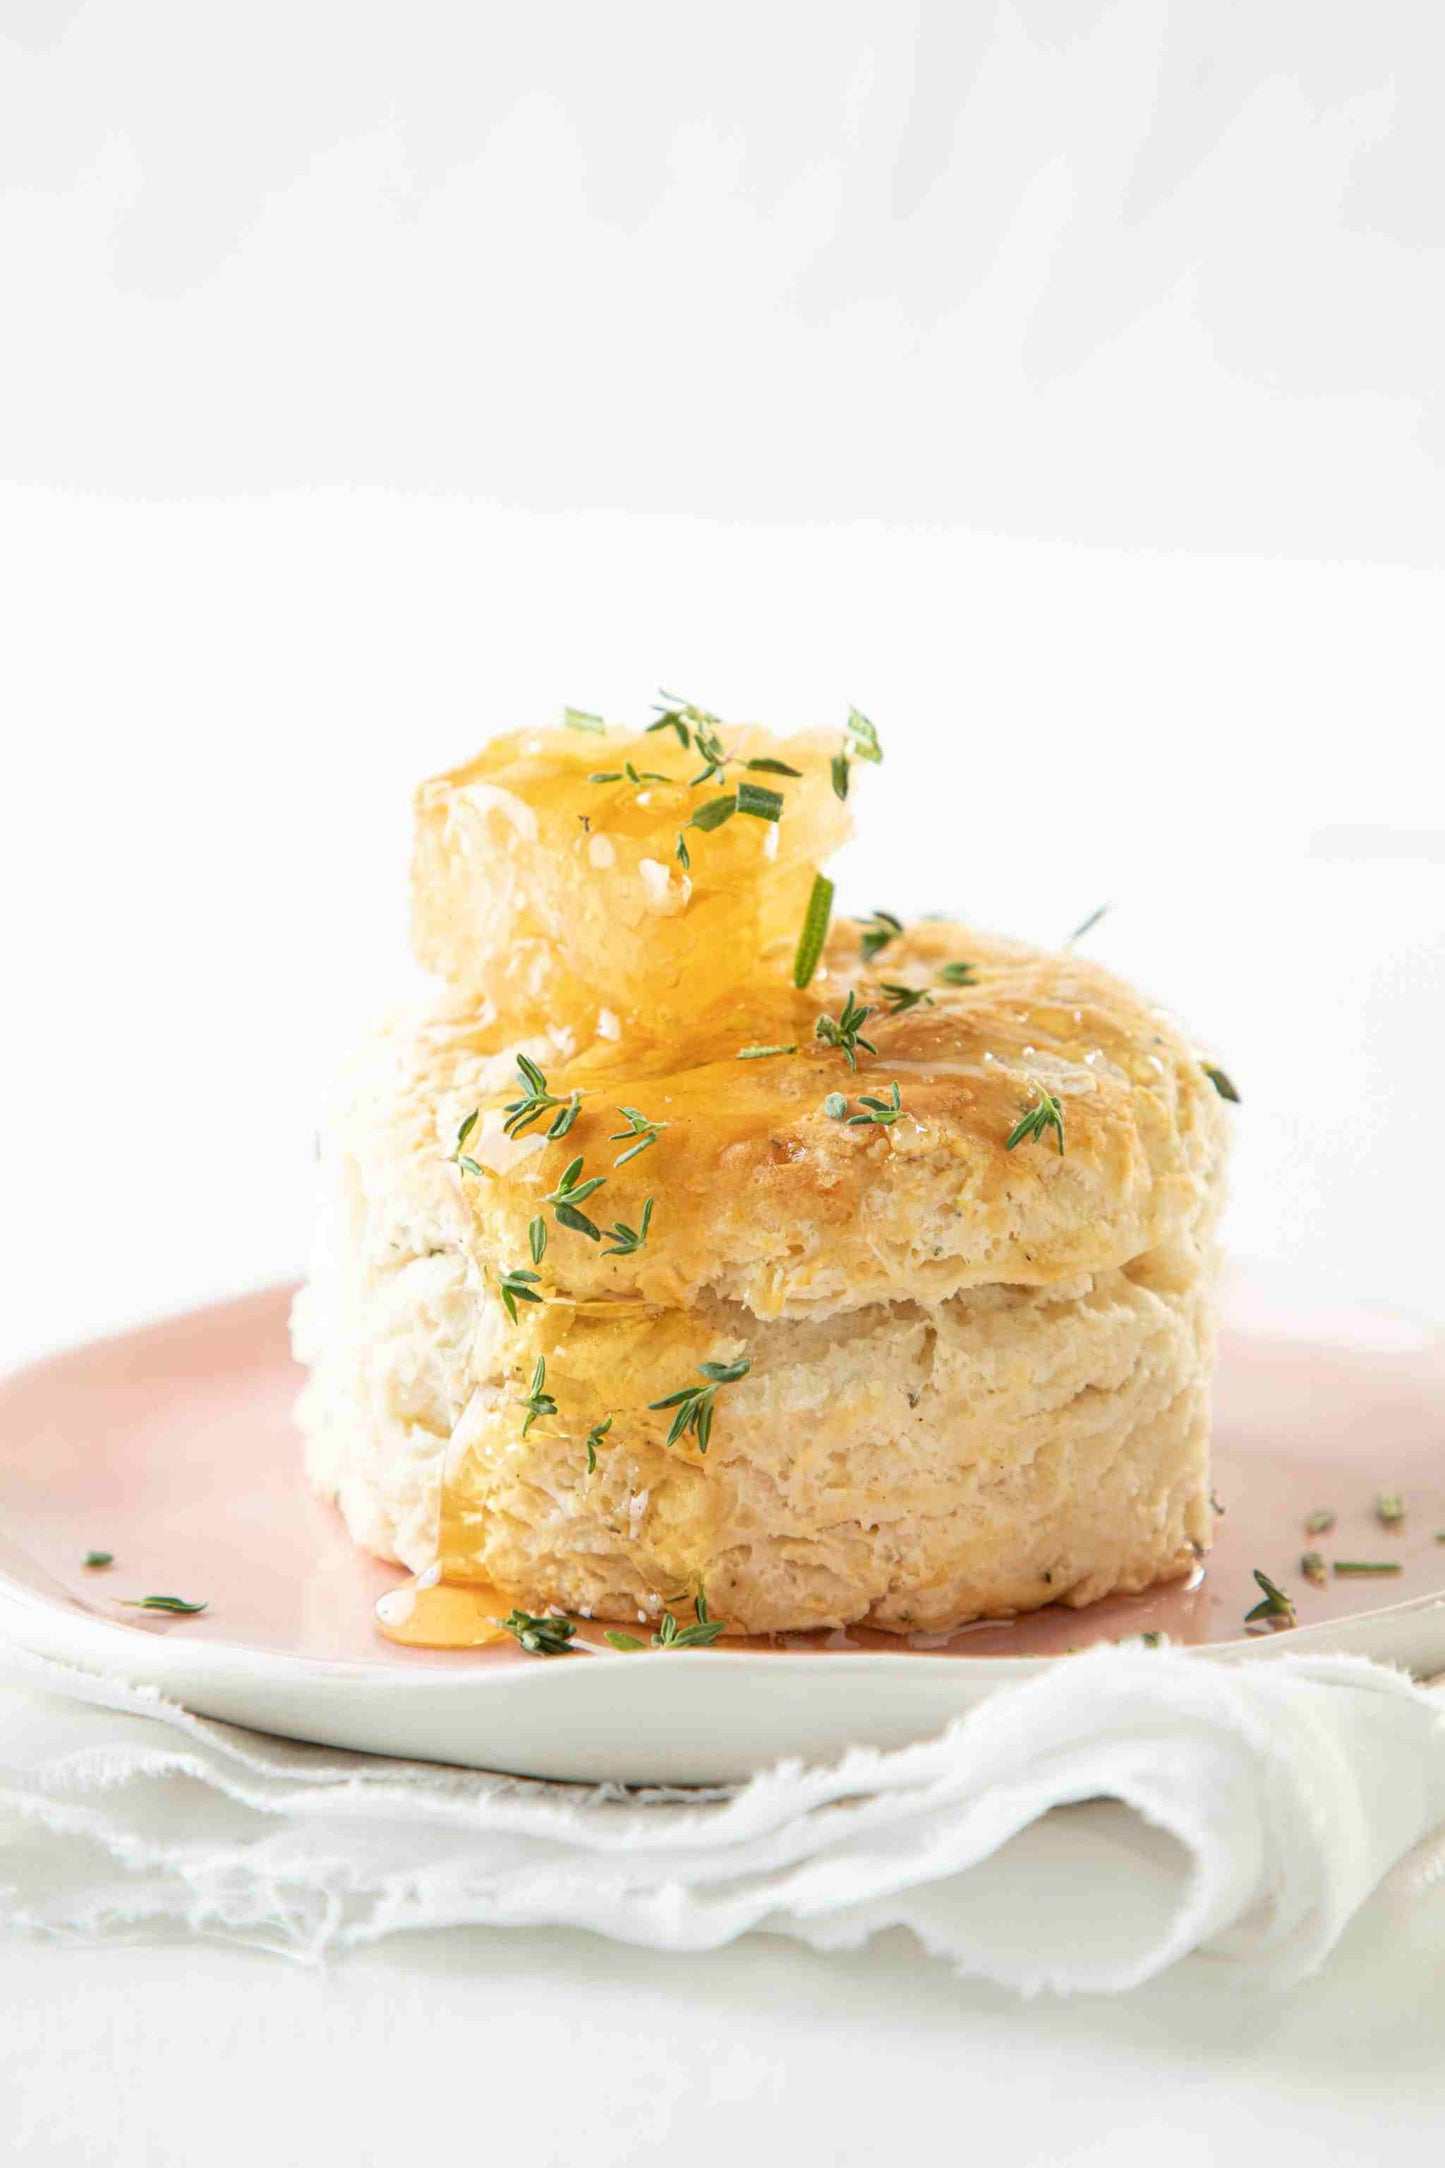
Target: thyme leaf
885, 1112
569, 1194
958, 974
594, 1438
878, 931
580, 719
538, 1401
176, 1604
903, 998
98, 1558
1275, 1606
627, 1241
1222, 1084
515, 1287
639, 1127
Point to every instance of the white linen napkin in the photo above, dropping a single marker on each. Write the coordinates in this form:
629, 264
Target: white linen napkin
1083, 1830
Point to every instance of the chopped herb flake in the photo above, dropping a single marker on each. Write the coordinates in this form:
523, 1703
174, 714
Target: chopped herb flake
1313, 1567
98, 1558
539, 1636
1390, 1507
761, 1053
1222, 1084
579, 719
1345, 1567
1276, 1607
1321, 1522
835, 1106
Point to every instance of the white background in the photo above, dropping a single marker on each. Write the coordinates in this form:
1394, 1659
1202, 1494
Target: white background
1060, 382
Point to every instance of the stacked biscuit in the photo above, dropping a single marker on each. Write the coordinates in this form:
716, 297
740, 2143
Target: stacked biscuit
906, 1321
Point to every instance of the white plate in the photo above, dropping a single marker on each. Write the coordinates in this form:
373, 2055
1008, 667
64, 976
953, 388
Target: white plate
174, 1448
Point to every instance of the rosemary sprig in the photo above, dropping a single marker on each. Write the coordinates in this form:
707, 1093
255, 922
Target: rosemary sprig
694, 1403
176, 1604
1313, 1567
835, 1106
1048, 1114
815, 930
1221, 1084
594, 1438
1346, 1567
700, 1635
638, 1128
569, 1194
885, 1112
515, 1287
458, 1157
581, 719
958, 974
539, 1401
845, 1031
761, 1053
1276, 1606
535, 1102
537, 1238
1321, 1522
539, 1636
1390, 1508
98, 1558
627, 1241
878, 931
903, 998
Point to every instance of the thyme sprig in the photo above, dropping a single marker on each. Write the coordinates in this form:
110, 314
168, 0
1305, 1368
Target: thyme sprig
569, 1194
627, 1241
814, 931
539, 1636
845, 1031
885, 1112
1048, 1114
539, 1401
458, 1157
694, 1403
1274, 1606
517, 1286
536, 1101
640, 1129
700, 1635
878, 930
594, 1438
903, 998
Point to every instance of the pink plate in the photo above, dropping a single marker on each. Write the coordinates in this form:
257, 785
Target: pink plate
174, 1449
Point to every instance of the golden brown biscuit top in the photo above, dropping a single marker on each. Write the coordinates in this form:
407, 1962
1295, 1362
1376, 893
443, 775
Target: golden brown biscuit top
764, 1189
